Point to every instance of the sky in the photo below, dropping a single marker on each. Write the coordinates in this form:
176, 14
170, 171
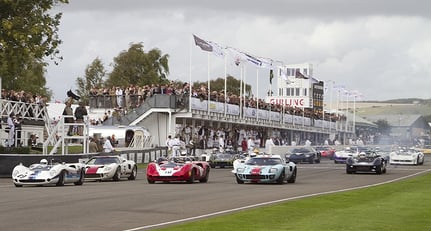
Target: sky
379, 48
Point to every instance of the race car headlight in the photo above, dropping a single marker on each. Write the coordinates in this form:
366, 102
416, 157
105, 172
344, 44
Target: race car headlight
15, 173
52, 172
272, 170
240, 170
307, 155
107, 169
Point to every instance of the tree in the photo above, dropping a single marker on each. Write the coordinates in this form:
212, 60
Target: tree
383, 126
136, 67
28, 34
232, 85
93, 78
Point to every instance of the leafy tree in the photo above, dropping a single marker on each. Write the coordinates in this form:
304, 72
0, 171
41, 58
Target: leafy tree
232, 85
93, 78
137, 67
383, 126
28, 34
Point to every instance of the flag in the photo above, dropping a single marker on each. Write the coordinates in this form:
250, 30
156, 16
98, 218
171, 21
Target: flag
253, 60
238, 56
217, 49
271, 76
283, 75
204, 45
299, 75
209, 46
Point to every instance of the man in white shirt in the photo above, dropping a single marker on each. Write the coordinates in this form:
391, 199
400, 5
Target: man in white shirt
176, 145
119, 94
107, 146
250, 145
11, 125
269, 143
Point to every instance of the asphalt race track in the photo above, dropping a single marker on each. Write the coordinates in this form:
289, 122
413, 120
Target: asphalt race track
137, 205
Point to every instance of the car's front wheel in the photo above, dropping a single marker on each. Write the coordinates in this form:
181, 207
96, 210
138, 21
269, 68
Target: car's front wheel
192, 177
117, 175
239, 181
207, 175
61, 177
280, 179
292, 178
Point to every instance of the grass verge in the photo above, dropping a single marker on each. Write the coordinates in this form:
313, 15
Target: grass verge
399, 206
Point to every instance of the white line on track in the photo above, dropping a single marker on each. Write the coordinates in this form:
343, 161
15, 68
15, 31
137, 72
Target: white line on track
271, 202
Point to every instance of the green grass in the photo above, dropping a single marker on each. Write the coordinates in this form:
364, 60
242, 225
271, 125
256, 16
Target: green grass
400, 206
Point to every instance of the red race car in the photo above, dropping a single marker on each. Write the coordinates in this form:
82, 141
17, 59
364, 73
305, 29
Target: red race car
326, 151
178, 169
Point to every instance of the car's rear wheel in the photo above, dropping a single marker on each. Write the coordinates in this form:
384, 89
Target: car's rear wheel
81, 177
61, 179
292, 178
134, 173
117, 175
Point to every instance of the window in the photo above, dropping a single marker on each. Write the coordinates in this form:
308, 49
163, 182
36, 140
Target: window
305, 91
297, 91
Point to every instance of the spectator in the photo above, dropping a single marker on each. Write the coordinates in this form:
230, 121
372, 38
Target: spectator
68, 113
80, 112
11, 126
107, 146
92, 146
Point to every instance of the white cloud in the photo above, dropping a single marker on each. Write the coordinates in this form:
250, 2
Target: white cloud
377, 49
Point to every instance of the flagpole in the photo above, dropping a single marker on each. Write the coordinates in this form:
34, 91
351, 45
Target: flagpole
257, 93
225, 84
190, 77
244, 86
240, 91
209, 84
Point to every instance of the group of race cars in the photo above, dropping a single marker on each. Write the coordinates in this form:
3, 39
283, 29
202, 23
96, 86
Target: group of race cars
247, 167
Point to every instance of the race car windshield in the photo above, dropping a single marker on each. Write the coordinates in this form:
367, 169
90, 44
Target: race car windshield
300, 150
263, 161
40, 167
103, 161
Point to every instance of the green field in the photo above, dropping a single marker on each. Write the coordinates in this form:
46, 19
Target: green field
400, 206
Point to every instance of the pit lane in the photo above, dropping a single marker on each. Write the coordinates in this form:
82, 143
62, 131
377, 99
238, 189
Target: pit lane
137, 204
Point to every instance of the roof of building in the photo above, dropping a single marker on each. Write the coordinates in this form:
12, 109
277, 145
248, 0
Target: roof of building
400, 120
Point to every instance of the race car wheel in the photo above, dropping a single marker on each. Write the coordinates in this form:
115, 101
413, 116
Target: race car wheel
292, 178
239, 181
134, 173
280, 179
379, 169
18, 185
117, 175
60, 181
348, 171
192, 177
150, 181
207, 175
81, 178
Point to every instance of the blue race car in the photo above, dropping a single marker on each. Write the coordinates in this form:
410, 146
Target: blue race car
265, 169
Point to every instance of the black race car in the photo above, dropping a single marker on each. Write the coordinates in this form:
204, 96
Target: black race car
366, 162
303, 154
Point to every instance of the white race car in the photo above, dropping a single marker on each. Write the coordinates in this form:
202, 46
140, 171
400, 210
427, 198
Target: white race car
410, 156
110, 167
48, 174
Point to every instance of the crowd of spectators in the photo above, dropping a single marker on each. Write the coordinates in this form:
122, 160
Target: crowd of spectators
126, 98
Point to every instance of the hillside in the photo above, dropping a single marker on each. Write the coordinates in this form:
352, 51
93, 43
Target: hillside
401, 108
